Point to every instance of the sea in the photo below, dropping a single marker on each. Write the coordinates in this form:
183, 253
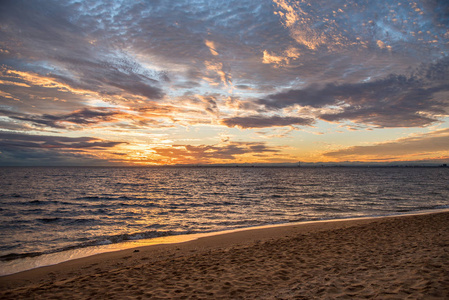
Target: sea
52, 214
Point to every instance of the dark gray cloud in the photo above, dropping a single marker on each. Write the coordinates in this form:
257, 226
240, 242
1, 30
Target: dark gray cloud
18, 140
83, 117
395, 101
314, 96
47, 150
264, 121
109, 81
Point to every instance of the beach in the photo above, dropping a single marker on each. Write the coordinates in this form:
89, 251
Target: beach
396, 257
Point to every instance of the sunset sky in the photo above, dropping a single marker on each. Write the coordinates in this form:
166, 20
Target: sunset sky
204, 82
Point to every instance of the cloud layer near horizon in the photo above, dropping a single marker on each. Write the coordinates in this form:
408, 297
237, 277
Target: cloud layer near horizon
417, 147
132, 72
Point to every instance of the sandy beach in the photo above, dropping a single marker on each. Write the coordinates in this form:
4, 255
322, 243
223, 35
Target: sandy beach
402, 257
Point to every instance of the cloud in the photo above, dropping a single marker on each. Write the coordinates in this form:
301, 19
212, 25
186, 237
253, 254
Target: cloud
300, 24
212, 153
25, 149
425, 146
283, 60
263, 121
139, 66
394, 101
190, 110
216, 70
8, 96
336, 25
107, 83
382, 45
75, 59
110, 77
210, 103
13, 140
83, 117
212, 47
137, 50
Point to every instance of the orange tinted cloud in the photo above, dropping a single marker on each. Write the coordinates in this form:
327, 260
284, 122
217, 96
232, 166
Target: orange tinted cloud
212, 47
222, 153
36, 79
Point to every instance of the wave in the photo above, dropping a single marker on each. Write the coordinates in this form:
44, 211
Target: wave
94, 198
104, 240
424, 207
38, 203
131, 184
86, 210
318, 196
35, 202
110, 198
14, 256
68, 221
45, 202
324, 208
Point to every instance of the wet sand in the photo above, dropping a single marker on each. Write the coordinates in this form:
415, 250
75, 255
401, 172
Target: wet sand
403, 257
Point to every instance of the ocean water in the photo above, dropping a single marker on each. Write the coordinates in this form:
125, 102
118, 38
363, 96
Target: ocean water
49, 210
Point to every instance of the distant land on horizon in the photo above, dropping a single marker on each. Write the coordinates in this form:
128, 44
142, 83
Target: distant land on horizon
408, 164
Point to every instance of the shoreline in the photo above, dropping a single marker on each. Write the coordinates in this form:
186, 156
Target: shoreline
30, 263
355, 255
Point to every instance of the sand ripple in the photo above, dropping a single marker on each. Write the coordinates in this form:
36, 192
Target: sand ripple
388, 258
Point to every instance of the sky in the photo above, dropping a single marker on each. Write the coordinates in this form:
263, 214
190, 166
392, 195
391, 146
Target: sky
218, 82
